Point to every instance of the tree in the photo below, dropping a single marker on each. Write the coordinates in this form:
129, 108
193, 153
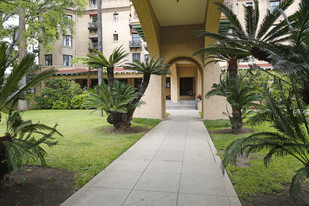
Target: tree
100, 42
122, 120
46, 21
239, 93
254, 36
288, 112
18, 144
295, 58
290, 119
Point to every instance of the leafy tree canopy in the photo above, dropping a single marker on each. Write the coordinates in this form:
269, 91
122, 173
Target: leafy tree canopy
46, 20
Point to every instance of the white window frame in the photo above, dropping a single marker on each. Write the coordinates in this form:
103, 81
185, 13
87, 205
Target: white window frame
67, 62
67, 41
273, 5
51, 60
115, 16
115, 37
135, 55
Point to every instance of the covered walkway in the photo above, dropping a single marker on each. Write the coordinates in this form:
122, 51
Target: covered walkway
174, 164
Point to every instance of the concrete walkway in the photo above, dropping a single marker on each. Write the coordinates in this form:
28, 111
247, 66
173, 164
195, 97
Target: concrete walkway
174, 164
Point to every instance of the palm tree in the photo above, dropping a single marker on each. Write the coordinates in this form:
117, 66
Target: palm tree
290, 119
295, 58
116, 104
108, 99
10, 92
98, 60
252, 37
18, 144
239, 93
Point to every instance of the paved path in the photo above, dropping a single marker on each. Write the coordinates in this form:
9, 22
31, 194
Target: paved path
174, 164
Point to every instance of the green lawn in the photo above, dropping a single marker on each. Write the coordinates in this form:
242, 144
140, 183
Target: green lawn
256, 178
84, 148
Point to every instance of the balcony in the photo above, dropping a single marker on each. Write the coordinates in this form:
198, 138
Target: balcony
92, 25
93, 45
135, 44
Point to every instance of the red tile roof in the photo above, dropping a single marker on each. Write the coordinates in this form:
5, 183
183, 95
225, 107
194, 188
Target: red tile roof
79, 71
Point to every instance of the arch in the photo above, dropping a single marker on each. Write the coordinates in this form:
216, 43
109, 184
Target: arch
181, 58
198, 66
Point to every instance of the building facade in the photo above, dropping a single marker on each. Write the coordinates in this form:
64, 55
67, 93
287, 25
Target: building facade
116, 31
167, 26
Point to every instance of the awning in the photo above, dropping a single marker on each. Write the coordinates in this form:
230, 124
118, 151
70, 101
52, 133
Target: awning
93, 14
139, 30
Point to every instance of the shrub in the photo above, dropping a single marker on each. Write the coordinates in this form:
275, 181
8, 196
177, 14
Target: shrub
77, 101
58, 94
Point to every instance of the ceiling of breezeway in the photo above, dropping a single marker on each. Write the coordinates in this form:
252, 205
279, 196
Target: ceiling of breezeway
185, 12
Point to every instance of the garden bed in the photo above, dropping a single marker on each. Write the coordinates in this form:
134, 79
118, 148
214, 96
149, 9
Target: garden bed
254, 184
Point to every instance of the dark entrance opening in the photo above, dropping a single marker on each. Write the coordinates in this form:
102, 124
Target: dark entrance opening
187, 86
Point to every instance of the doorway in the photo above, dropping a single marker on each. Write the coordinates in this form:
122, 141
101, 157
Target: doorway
187, 90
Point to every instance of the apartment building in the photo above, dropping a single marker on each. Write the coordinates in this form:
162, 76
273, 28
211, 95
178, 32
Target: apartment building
117, 16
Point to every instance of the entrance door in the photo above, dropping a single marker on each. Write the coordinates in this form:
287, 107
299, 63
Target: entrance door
186, 88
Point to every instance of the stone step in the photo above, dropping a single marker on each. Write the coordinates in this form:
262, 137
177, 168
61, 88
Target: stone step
181, 105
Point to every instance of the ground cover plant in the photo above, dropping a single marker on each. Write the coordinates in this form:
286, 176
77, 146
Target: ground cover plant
85, 148
255, 184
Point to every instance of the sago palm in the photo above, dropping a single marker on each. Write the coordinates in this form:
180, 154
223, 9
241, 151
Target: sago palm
148, 68
295, 59
239, 93
98, 60
18, 144
253, 34
290, 119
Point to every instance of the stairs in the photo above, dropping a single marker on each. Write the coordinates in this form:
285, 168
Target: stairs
181, 105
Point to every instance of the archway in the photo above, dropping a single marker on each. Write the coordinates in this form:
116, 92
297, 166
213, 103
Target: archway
184, 84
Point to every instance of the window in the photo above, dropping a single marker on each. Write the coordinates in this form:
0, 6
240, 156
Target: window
115, 37
168, 82
94, 19
146, 57
115, 16
136, 56
136, 38
48, 60
67, 60
236, 8
249, 4
93, 3
67, 41
69, 17
273, 5
137, 82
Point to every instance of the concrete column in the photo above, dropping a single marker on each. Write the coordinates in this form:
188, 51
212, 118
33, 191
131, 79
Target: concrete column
214, 106
153, 100
174, 84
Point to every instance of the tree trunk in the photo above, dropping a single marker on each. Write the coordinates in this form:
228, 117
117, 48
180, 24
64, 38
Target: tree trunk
121, 121
22, 104
232, 68
110, 78
142, 88
236, 120
88, 80
100, 44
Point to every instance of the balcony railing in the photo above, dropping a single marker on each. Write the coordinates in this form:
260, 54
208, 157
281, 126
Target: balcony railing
135, 44
92, 25
93, 45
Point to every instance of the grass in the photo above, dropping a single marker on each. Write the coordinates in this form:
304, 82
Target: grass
84, 149
254, 179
